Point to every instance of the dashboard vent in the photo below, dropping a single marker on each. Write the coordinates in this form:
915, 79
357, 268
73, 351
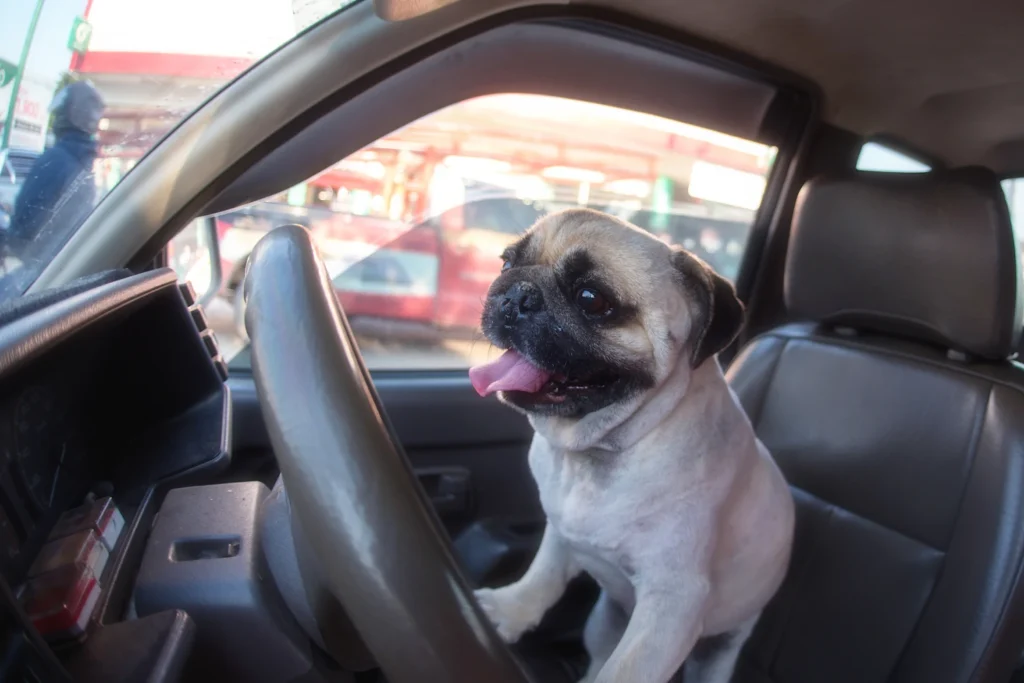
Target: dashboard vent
202, 324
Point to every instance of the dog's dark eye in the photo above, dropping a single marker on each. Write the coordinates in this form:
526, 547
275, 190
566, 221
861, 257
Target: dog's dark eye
506, 265
592, 302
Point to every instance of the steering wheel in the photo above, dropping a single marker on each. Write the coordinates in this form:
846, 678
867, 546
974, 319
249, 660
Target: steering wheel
372, 533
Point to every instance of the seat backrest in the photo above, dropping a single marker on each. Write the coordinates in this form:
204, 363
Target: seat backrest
898, 420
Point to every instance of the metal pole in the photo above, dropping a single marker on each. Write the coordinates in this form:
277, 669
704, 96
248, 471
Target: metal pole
16, 86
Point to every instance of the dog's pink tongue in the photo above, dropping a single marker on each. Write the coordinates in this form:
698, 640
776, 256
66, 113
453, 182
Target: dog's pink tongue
511, 372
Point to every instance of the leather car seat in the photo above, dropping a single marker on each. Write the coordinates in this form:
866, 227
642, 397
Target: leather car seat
897, 416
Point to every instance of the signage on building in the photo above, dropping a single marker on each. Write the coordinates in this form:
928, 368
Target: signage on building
81, 33
31, 115
7, 72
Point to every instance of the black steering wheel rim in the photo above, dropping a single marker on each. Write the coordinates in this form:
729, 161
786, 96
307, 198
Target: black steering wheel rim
377, 542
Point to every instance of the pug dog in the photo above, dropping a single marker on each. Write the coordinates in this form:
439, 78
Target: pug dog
650, 474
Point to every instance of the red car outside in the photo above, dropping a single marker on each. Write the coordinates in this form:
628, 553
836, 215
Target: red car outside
424, 282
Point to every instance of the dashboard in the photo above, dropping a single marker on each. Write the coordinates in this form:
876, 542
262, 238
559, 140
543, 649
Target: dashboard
112, 392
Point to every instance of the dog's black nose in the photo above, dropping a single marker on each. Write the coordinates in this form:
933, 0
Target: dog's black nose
522, 297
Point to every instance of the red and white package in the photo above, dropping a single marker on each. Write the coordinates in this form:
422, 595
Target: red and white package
84, 547
101, 515
60, 603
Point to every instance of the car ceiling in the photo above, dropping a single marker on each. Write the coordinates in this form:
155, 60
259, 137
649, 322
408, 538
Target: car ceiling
945, 77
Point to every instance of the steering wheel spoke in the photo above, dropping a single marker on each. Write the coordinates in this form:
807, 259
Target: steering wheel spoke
377, 542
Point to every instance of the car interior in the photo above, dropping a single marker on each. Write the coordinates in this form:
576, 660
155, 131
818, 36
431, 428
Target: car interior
296, 516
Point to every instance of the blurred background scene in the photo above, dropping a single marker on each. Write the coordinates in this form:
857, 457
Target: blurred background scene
411, 226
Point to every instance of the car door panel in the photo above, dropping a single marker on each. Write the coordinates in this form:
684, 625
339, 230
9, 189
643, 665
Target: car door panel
469, 454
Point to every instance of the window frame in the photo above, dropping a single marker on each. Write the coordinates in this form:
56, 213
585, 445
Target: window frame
785, 122
1018, 226
904, 149
746, 227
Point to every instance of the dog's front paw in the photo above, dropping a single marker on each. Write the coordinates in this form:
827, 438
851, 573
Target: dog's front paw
511, 615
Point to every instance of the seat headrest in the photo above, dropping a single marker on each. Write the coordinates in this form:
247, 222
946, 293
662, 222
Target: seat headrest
928, 256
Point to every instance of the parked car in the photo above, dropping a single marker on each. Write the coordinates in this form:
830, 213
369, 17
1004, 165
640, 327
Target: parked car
422, 282
427, 282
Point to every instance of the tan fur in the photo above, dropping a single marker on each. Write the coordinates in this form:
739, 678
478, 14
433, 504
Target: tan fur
640, 267
667, 498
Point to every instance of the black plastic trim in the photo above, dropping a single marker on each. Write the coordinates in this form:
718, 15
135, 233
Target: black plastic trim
421, 406
625, 24
781, 186
26, 338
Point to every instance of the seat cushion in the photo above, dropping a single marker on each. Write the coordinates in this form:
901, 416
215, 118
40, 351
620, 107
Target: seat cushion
908, 472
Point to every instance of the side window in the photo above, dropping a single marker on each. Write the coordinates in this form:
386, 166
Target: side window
412, 226
1014, 189
877, 157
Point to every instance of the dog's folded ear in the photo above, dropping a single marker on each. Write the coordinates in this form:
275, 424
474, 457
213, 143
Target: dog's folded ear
718, 311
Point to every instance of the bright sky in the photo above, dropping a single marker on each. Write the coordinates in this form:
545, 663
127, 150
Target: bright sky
49, 49
48, 59
228, 28
221, 28
225, 28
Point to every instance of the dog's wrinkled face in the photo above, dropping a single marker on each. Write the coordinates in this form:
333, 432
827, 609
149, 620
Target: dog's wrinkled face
594, 312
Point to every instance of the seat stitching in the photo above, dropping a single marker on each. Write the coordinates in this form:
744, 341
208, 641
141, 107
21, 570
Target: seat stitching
867, 519
1011, 598
979, 422
804, 571
979, 427
815, 338
771, 380
1014, 596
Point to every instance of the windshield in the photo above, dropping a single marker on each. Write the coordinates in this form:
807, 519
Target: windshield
88, 87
